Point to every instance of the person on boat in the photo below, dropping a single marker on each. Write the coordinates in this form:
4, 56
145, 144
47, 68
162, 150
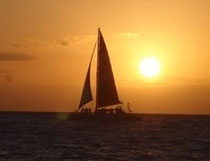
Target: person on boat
111, 111
119, 110
89, 110
101, 111
128, 106
86, 110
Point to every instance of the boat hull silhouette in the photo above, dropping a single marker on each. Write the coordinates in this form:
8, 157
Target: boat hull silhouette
105, 117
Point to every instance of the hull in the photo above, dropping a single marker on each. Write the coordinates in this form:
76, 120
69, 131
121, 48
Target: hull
105, 117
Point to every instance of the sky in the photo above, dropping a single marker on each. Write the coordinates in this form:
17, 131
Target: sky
45, 48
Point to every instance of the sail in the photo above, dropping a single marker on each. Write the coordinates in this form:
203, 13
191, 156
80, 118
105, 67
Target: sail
106, 92
86, 92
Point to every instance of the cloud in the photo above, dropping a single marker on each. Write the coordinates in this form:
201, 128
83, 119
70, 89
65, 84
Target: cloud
8, 78
128, 34
74, 40
6, 75
4, 71
34, 43
64, 43
67, 41
187, 80
15, 57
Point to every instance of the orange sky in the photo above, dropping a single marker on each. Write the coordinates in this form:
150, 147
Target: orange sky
45, 47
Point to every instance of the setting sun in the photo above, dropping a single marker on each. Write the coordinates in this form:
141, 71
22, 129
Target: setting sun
149, 67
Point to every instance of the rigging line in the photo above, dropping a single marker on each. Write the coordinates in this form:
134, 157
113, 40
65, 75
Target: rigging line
93, 53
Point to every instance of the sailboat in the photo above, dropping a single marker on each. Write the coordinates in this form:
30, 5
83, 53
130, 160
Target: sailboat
107, 103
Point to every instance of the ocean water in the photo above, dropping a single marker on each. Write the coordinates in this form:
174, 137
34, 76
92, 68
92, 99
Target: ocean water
50, 137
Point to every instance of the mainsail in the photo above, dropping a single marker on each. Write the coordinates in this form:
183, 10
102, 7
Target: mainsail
86, 92
106, 92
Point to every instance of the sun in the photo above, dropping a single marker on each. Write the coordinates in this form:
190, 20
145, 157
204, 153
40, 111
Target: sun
149, 67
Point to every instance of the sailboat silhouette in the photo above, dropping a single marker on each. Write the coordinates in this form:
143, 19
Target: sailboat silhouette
106, 91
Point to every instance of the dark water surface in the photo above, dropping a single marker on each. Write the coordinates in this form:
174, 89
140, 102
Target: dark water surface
49, 137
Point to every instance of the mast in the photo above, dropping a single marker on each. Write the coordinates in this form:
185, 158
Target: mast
97, 70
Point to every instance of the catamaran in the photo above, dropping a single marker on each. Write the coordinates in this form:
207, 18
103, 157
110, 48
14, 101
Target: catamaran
107, 103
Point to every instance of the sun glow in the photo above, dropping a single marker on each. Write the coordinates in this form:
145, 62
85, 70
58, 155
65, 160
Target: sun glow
149, 67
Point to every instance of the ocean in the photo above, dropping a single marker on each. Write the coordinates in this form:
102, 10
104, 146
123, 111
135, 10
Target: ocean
52, 137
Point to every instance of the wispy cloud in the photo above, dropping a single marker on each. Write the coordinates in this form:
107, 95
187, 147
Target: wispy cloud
67, 41
187, 80
2, 71
8, 78
15, 57
74, 40
63, 42
32, 43
128, 34
6, 75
